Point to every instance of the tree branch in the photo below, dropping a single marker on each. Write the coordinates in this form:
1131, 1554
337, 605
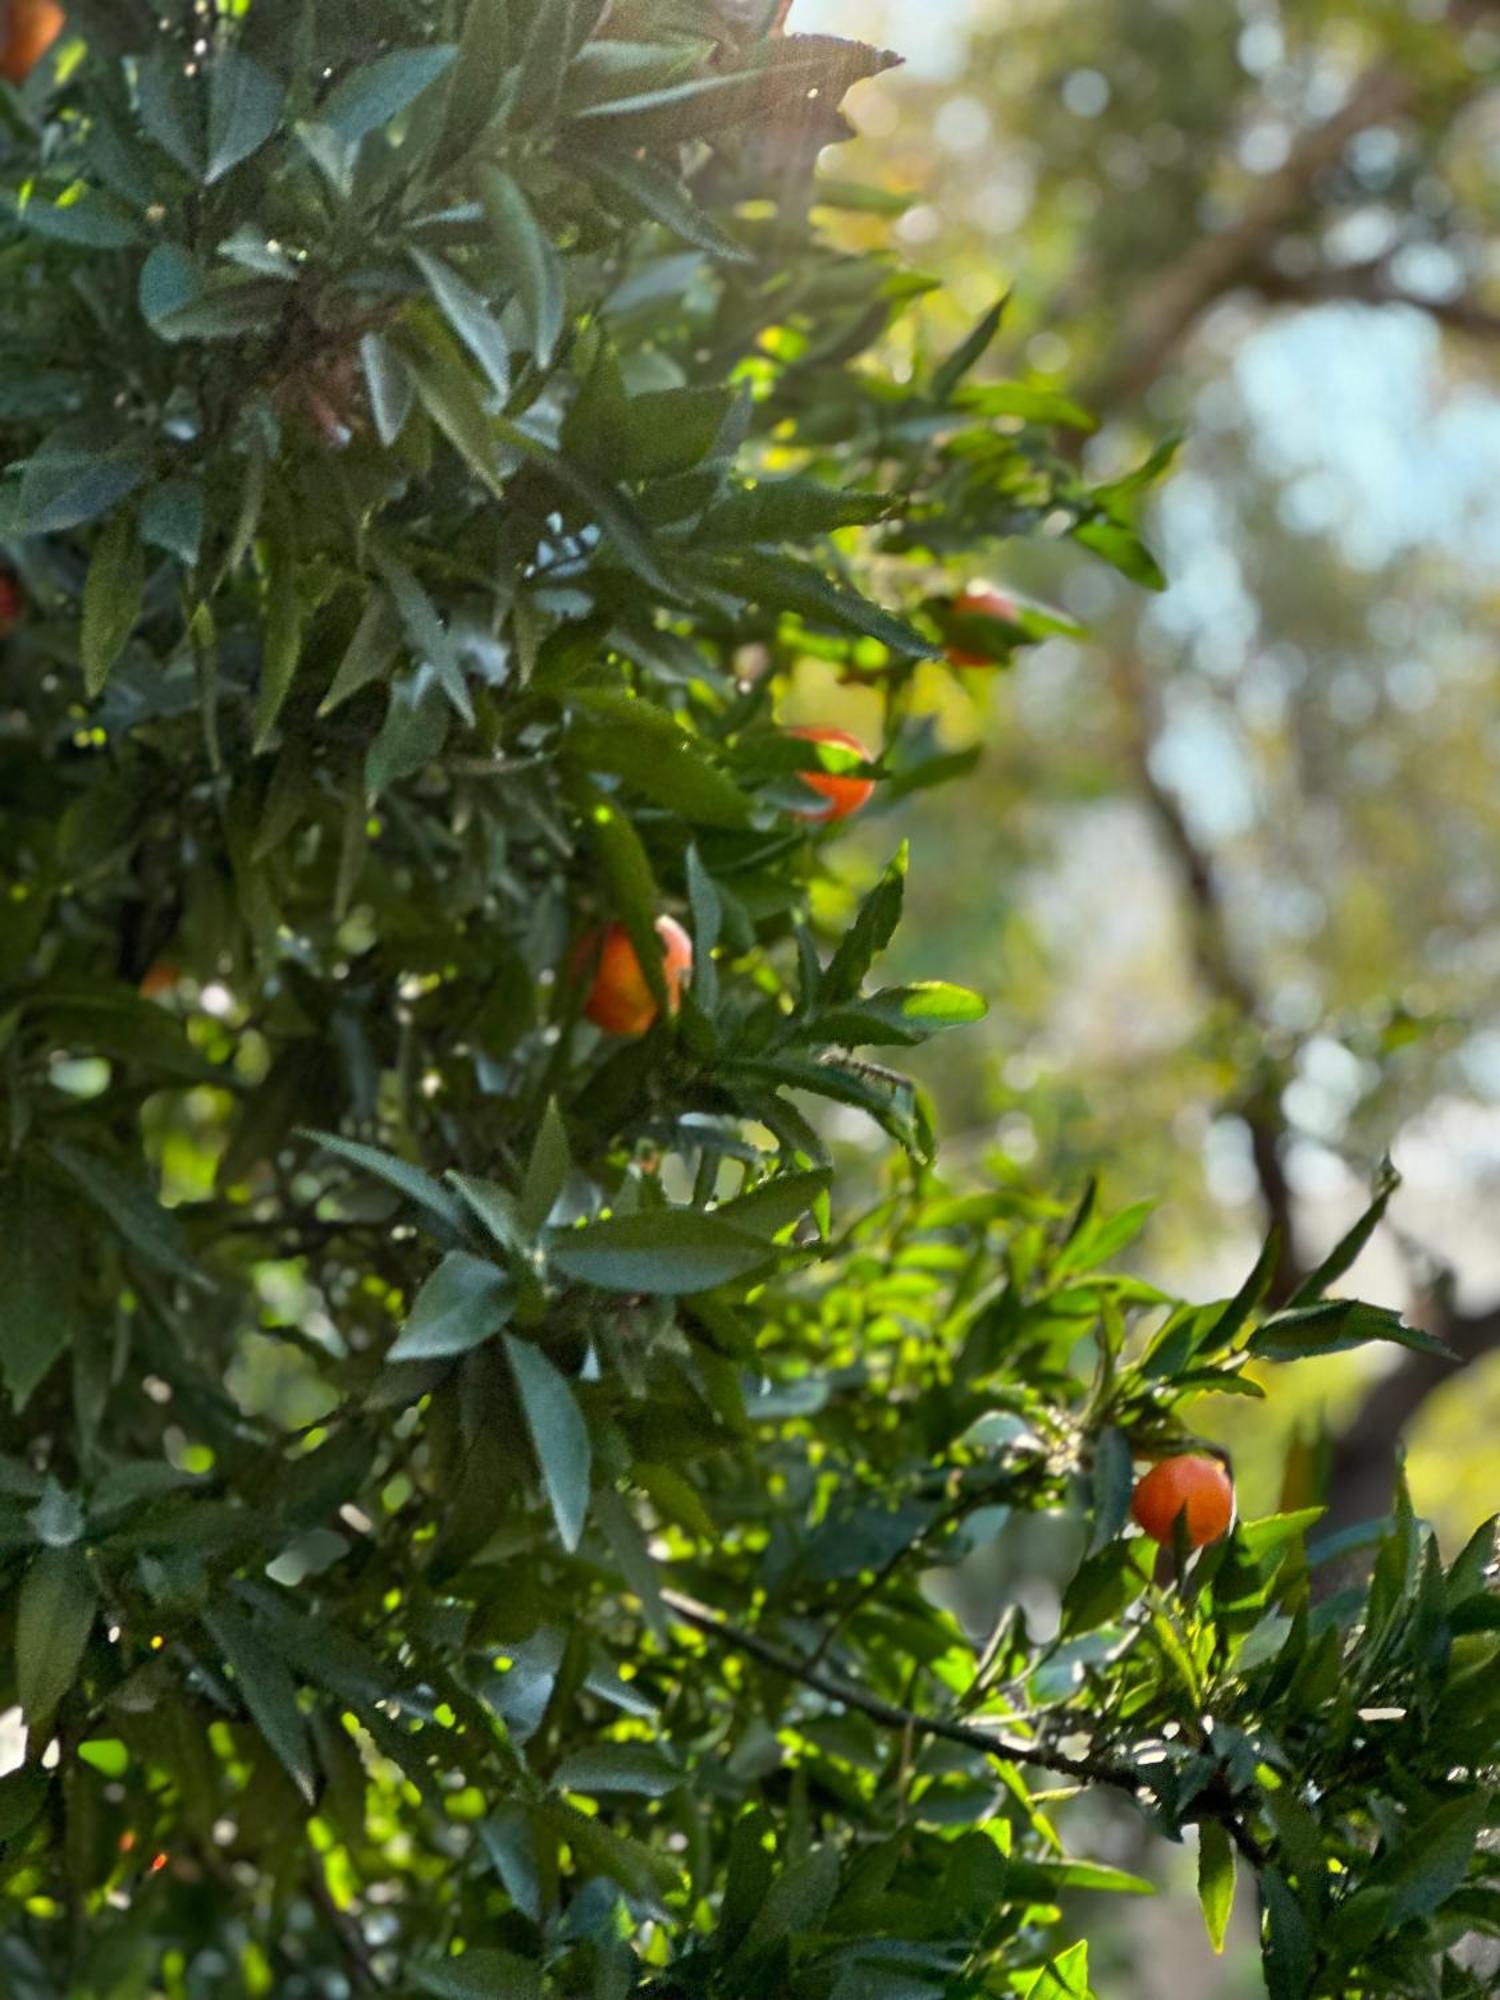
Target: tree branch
1366, 284
1214, 958
1012, 1750
1173, 300
1216, 1803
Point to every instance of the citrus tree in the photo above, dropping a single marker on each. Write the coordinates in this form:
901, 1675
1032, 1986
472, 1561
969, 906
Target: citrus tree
483, 1511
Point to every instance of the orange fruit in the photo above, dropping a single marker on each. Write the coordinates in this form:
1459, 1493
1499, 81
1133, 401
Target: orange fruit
619, 1000
159, 979
980, 600
12, 604
845, 793
30, 29
1196, 1487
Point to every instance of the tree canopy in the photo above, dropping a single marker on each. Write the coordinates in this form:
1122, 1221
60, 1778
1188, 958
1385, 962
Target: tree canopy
483, 1504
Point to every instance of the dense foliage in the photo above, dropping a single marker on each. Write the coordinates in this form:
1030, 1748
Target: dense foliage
483, 1512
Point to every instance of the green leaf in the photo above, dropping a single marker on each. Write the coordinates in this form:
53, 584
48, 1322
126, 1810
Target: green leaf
654, 191
796, 1903
547, 1168
369, 654
619, 1767
668, 1252
781, 78
789, 584
411, 1181
40, 1313
786, 510
1348, 1248
970, 350
112, 595
1434, 1859
1225, 1328
92, 220
450, 399
244, 107
1333, 1326
469, 317
268, 1692
378, 92
57, 1520
872, 930
1123, 550
465, 1301
171, 109
477, 80
777, 1202
281, 642
388, 386
634, 739
1291, 1948
22, 1796
558, 1434
72, 479
133, 1212
429, 636
479, 1975
55, 1611
1215, 1879
530, 257
1111, 1483
413, 733
1064, 1978
900, 1015
171, 519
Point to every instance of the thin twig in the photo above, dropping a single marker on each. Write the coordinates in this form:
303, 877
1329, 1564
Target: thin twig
1011, 1750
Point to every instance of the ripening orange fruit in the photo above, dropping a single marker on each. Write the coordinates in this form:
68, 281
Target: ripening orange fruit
845, 793
12, 604
980, 600
30, 27
160, 979
1196, 1487
619, 1000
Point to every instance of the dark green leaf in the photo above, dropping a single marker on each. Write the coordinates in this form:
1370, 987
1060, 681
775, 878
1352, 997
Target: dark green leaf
268, 1692
379, 91
133, 1211
244, 107
665, 1251
469, 317
55, 1612
40, 1313
1333, 1326
480, 1975
465, 1301
559, 1436
1347, 1249
870, 933
411, 1181
112, 596
530, 258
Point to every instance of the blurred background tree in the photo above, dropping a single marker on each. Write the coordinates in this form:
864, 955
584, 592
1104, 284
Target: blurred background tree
1240, 903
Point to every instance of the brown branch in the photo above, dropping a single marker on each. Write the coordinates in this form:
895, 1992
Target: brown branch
1217, 1802
1366, 284
1214, 959
1012, 1750
1173, 300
